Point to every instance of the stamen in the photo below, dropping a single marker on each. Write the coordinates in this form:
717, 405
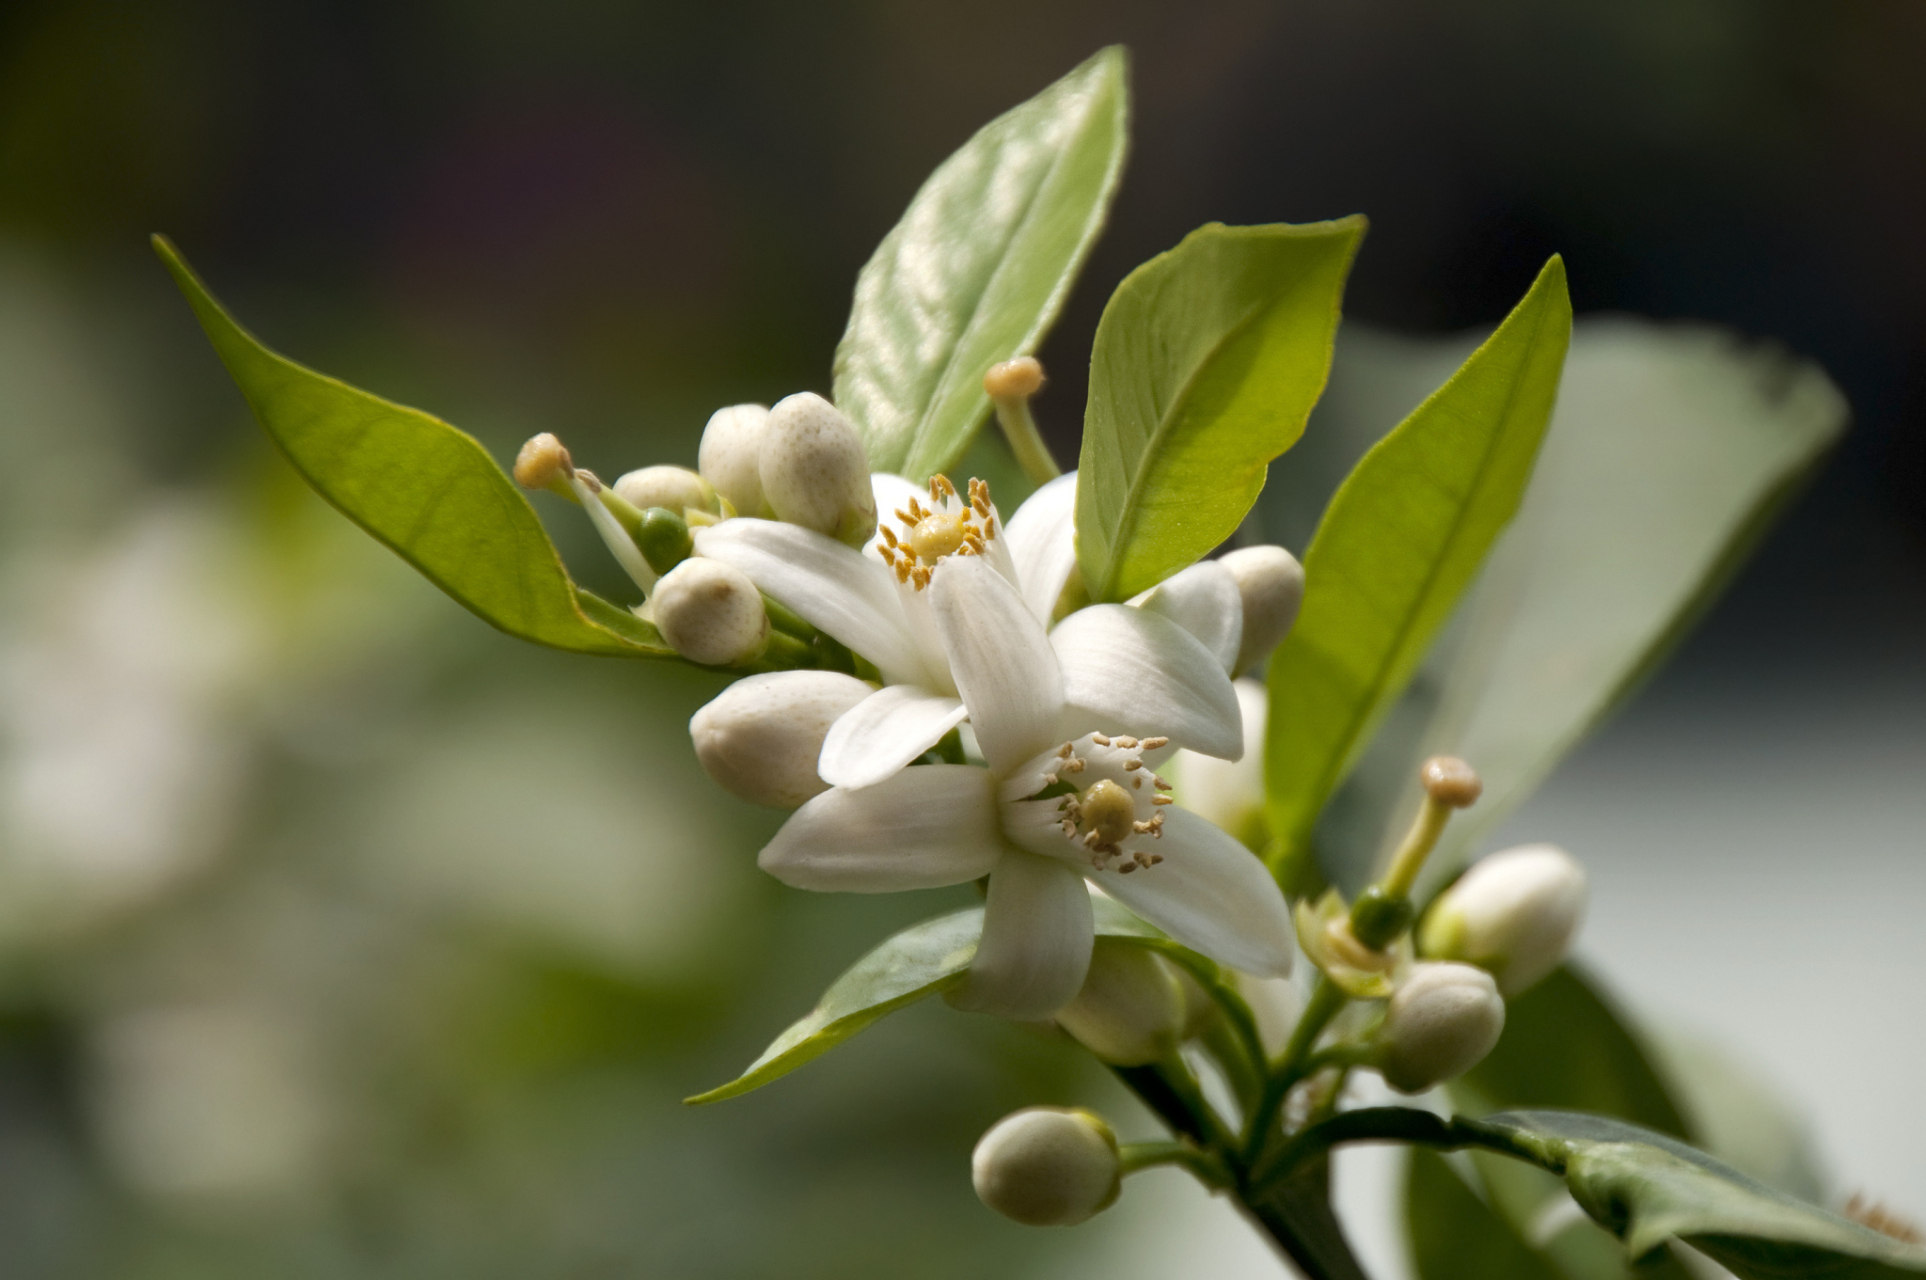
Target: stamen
1099, 739
1162, 800
1066, 750
1128, 744
1153, 744
1137, 783
1073, 765
1159, 783
1132, 763
889, 537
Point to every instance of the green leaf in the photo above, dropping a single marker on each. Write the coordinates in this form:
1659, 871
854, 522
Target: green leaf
921, 961
1672, 449
1457, 1236
429, 492
1402, 538
978, 268
1206, 365
1647, 1189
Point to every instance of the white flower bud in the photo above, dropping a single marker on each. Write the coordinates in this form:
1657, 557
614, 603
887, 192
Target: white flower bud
814, 471
730, 457
711, 613
1442, 1020
1275, 1006
1131, 1010
675, 488
1230, 792
760, 738
1514, 913
1047, 1167
1271, 582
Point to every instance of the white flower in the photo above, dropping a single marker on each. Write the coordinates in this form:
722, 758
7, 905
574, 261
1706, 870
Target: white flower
1105, 817
1134, 671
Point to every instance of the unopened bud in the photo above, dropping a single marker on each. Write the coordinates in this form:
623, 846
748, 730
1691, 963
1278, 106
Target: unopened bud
761, 737
664, 538
1131, 1010
1441, 1021
1275, 1006
1271, 582
1047, 1167
1451, 782
814, 471
676, 489
544, 464
1514, 913
730, 457
1231, 792
711, 613
1017, 379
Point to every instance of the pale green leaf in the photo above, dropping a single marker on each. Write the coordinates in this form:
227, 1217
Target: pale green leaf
427, 490
1206, 365
1402, 538
978, 268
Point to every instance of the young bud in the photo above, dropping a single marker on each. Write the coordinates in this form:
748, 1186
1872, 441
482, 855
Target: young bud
1271, 582
544, 464
1514, 914
1047, 1167
814, 471
663, 536
1131, 1009
760, 738
1442, 1020
677, 489
711, 613
730, 457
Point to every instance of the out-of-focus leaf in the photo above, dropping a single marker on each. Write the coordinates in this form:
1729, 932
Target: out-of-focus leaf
1457, 1236
1402, 538
921, 961
1737, 1117
979, 267
1648, 1189
1206, 365
428, 491
1671, 449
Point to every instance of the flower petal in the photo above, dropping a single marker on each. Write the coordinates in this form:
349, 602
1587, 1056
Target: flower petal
918, 829
1211, 894
1001, 660
1037, 933
1130, 671
1204, 601
884, 732
834, 587
892, 494
1042, 537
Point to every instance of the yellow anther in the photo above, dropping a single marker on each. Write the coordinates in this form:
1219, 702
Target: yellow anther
1108, 811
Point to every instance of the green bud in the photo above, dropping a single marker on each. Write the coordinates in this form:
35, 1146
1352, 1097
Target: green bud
664, 538
1378, 917
1131, 1009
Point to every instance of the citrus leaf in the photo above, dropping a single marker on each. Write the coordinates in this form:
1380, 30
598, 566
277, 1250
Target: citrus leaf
1207, 362
428, 491
978, 268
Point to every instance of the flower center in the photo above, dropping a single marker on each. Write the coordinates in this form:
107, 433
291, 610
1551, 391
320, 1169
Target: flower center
948, 526
1116, 807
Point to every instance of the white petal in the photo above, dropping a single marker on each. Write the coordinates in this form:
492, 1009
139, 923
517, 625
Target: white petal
892, 495
1037, 933
1229, 793
884, 732
1140, 673
1211, 894
834, 587
1043, 543
1203, 600
921, 828
1000, 659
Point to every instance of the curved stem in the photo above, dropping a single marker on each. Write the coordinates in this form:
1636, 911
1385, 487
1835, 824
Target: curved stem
1207, 1168
1388, 1124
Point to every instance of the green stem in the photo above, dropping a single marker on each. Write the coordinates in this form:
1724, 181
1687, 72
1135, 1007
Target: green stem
1026, 442
1207, 1167
1389, 1124
1325, 1002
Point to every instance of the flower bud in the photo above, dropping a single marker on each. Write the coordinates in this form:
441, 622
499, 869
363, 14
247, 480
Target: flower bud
1047, 1167
1514, 914
760, 738
1442, 1020
663, 536
1231, 792
814, 471
730, 457
711, 613
1271, 582
677, 489
1131, 1010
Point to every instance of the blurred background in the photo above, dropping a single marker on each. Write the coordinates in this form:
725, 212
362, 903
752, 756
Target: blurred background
342, 936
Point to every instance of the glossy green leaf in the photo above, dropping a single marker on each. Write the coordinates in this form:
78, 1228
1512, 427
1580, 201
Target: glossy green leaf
921, 961
1206, 365
1671, 450
1402, 538
428, 491
979, 267
1647, 1189
1455, 1235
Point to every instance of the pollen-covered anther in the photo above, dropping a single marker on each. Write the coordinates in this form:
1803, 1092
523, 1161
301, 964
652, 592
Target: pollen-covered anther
1128, 744
1073, 765
1153, 744
1067, 750
1159, 783
1133, 763
1162, 800
1099, 739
